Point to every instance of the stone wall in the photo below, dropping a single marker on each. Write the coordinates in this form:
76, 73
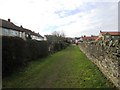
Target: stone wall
106, 57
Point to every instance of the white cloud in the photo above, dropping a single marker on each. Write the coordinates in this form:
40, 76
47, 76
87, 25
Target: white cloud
103, 17
79, 16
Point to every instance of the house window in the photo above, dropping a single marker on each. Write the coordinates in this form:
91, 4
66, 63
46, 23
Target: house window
5, 32
113, 36
13, 33
107, 36
20, 34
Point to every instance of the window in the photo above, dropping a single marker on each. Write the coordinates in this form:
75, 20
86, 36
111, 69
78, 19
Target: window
107, 36
113, 36
20, 34
5, 32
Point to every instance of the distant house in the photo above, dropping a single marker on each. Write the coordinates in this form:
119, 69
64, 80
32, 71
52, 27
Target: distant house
88, 38
69, 40
109, 35
7, 28
32, 35
36, 36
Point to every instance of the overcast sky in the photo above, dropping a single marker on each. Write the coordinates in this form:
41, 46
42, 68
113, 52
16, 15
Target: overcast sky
73, 17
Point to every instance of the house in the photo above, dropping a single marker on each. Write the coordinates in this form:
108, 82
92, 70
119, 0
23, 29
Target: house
36, 36
32, 35
7, 28
69, 40
109, 35
88, 38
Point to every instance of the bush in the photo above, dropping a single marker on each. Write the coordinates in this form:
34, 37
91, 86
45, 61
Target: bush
60, 45
16, 53
36, 49
12, 54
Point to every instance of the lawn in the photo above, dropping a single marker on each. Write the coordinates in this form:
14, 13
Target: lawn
69, 68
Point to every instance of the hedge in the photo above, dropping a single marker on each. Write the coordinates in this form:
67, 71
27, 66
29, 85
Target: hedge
16, 53
36, 49
57, 46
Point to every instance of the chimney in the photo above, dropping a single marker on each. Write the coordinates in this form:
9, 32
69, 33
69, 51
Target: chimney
8, 19
92, 35
21, 26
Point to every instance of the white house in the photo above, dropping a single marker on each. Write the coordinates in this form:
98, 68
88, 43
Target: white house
7, 28
37, 36
45, 38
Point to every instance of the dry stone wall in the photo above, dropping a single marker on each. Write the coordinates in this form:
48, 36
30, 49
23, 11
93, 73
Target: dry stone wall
106, 57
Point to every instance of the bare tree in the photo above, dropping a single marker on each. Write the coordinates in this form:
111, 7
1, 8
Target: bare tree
59, 34
55, 33
62, 34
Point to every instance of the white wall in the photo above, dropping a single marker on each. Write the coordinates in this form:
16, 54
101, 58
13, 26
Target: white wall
45, 38
14, 33
5, 32
34, 37
10, 32
40, 39
37, 38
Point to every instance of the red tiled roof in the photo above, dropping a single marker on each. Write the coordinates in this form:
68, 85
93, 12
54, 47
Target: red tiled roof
98, 38
94, 37
111, 33
89, 37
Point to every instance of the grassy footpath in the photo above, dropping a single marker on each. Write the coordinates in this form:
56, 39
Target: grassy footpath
69, 68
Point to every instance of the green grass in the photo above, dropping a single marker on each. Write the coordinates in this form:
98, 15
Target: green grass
69, 68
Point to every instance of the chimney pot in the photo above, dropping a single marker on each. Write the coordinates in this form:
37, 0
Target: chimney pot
21, 26
9, 19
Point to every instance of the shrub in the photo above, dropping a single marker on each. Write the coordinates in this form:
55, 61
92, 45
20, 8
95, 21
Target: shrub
60, 45
16, 53
36, 49
12, 54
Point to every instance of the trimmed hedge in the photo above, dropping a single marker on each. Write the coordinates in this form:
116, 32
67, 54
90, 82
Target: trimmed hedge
36, 49
59, 46
16, 53
12, 54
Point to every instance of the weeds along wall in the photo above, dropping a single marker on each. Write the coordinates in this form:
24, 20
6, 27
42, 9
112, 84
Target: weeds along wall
16, 53
107, 58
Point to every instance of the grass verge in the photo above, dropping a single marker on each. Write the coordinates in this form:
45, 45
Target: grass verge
69, 68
